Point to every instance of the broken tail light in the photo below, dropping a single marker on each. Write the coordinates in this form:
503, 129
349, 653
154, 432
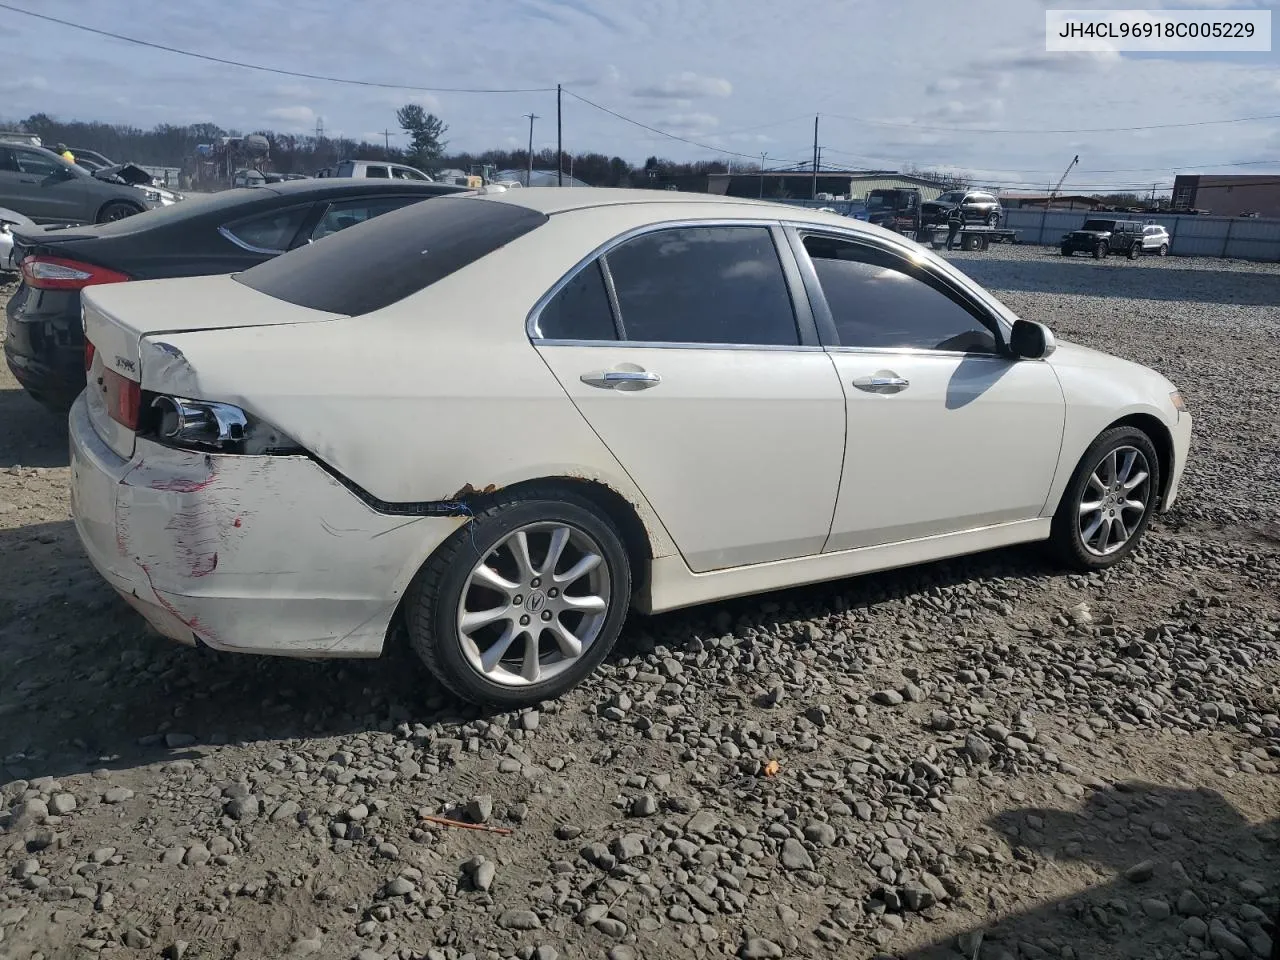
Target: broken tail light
124, 398
211, 426
89, 351
59, 273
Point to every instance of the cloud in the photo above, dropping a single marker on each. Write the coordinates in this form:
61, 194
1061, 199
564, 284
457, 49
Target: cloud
35, 84
686, 85
293, 119
688, 123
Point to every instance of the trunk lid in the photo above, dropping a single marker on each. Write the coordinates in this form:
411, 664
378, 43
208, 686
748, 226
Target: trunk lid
125, 322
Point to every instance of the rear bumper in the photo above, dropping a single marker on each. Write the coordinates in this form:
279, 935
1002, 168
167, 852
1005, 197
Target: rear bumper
267, 555
45, 354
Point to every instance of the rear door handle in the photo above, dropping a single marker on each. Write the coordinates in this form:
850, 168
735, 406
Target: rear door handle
622, 379
885, 383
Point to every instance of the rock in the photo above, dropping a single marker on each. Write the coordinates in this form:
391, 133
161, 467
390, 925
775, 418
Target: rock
628, 847
197, 855
794, 856
978, 749
175, 740
28, 812
823, 834
1194, 927
286, 811
1141, 872
102, 854
399, 887
917, 897
1227, 942
621, 951
611, 927
480, 809
135, 939
546, 952
758, 948
242, 808
1189, 905
176, 950
115, 795
1161, 830
357, 813
703, 824
484, 875
519, 920
887, 698
63, 804
221, 846
644, 805
1156, 909
306, 947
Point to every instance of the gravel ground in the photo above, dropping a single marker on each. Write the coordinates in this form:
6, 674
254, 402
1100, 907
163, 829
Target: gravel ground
985, 758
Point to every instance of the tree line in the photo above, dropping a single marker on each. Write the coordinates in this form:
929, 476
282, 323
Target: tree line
169, 145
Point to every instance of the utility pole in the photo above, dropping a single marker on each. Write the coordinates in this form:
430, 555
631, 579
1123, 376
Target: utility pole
814, 191
763, 157
559, 142
528, 180
386, 142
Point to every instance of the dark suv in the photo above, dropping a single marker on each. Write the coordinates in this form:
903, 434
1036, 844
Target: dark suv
1105, 237
978, 206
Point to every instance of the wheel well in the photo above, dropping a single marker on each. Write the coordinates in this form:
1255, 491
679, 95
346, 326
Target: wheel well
614, 505
1160, 438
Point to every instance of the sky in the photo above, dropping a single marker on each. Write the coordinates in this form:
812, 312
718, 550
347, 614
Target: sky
931, 83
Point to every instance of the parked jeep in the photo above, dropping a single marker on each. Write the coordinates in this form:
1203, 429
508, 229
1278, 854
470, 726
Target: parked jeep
1105, 237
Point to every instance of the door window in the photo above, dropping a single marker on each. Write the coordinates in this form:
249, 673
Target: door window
347, 213
406, 173
379, 173
8, 161
35, 164
267, 233
712, 285
878, 299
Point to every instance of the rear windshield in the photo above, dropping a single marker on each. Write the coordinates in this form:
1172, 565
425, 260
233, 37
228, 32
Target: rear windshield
379, 262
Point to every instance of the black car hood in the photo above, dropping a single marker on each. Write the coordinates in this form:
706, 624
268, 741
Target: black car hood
127, 173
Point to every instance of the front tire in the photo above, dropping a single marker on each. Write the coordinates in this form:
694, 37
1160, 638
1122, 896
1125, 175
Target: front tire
1164, 249
1100, 250
522, 603
117, 210
993, 219
1108, 502
1135, 251
1066, 251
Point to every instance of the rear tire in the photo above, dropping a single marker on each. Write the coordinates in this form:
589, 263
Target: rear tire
1106, 484
993, 219
496, 565
117, 210
1066, 251
1164, 249
1135, 251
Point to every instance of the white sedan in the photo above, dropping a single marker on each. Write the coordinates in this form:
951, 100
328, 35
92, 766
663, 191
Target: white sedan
503, 421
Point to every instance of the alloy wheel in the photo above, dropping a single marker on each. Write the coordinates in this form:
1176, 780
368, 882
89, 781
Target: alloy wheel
1116, 497
534, 604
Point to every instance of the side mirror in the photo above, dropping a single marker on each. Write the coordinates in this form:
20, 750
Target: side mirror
1031, 341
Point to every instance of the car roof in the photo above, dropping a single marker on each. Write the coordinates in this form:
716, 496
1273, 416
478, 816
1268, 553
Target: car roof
553, 200
330, 186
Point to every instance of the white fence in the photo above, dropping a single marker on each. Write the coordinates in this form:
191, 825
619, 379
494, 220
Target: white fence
1189, 235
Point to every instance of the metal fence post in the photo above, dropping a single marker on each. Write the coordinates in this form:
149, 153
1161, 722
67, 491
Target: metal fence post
1226, 241
1043, 216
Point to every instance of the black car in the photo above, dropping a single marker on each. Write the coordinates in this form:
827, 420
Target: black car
220, 233
1105, 237
977, 206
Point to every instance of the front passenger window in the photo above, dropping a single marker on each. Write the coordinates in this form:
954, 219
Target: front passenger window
881, 300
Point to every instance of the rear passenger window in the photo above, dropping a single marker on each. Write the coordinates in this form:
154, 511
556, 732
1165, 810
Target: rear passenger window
269, 232
713, 285
580, 311
378, 172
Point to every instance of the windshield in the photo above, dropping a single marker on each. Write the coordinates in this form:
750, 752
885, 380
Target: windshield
955, 196
1099, 225
876, 200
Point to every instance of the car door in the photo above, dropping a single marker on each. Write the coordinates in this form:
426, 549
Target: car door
691, 354
17, 189
53, 192
945, 432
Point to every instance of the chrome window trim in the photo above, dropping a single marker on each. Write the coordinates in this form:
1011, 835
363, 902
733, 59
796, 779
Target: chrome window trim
666, 345
225, 229
923, 352
531, 321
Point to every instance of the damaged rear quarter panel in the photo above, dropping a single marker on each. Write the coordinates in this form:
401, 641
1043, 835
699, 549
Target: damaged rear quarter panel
296, 560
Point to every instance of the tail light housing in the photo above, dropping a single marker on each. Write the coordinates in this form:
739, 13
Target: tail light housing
89, 351
210, 426
124, 399
58, 273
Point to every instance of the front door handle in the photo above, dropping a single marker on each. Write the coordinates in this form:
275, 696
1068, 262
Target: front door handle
882, 383
622, 379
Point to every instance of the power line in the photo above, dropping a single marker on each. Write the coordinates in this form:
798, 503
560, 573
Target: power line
260, 67
1037, 132
661, 133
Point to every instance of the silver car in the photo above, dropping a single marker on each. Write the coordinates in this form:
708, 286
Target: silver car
10, 220
41, 185
1155, 239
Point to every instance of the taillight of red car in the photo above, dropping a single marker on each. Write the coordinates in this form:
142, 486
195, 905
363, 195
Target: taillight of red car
58, 273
